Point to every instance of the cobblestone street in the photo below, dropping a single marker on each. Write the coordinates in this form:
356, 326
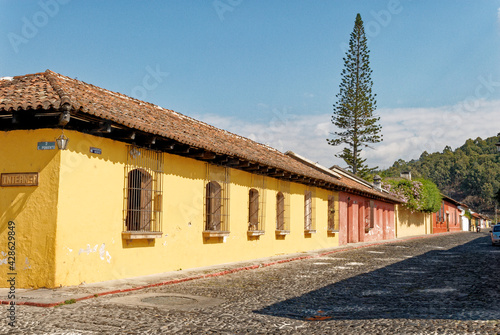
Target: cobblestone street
446, 284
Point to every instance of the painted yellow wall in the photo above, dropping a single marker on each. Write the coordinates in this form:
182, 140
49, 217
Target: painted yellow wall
89, 220
68, 229
89, 245
409, 224
33, 209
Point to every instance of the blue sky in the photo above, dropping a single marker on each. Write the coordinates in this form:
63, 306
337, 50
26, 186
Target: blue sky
270, 70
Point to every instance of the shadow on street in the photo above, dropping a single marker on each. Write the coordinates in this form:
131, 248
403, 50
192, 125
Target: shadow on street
458, 284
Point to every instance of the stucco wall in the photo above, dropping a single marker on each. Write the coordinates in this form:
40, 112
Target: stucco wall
353, 213
412, 223
451, 219
89, 244
33, 209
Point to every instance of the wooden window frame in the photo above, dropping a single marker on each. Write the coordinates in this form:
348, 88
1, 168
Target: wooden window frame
333, 223
283, 227
216, 207
139, 200
280, 211
369, 215
257, 206
309, 219
255, 227
213, 208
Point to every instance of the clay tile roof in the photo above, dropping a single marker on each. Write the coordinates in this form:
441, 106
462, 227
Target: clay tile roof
451, 200
354, 184
50, 90
32, 91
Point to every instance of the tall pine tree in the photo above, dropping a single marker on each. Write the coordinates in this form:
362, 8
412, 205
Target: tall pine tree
353, 112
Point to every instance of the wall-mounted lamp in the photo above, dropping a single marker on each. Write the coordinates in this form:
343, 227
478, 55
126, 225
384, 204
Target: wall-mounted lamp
62, 142
134, 153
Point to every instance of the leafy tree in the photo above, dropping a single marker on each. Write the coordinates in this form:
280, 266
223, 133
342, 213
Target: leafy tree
431, 197
469, 174
353, 112
417, 195
497, 196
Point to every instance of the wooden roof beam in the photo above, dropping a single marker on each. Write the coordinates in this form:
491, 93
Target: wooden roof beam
64, 118
15, 117
253, 167
232, 162
204, 155
182, 149
278, 173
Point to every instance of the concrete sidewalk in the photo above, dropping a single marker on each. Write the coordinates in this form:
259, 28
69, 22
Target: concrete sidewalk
44, 297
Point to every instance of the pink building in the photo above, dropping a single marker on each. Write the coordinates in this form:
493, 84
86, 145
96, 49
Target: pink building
364, 216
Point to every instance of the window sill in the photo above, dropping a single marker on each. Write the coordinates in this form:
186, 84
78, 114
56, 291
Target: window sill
309, 231
255, 232
282, 232
333, 231
141, 235
215, 233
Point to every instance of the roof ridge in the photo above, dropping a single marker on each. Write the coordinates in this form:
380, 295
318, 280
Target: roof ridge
66, 103
52, 80
29, 75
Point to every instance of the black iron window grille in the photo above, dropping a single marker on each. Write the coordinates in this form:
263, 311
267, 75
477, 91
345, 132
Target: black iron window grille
333, 222
283, 207
216, 199
143, 190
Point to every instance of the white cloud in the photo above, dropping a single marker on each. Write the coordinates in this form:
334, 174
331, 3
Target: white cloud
407, 132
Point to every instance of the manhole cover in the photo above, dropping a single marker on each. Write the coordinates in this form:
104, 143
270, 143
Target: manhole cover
175, 301
169, 300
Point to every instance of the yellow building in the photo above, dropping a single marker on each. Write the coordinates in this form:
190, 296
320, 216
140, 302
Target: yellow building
410, 223
140, 190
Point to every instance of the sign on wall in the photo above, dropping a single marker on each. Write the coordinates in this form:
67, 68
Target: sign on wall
46, 145
19, 179
95, 151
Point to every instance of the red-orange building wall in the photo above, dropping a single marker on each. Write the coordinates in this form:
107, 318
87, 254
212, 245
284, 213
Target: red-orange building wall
447, 219
356, 223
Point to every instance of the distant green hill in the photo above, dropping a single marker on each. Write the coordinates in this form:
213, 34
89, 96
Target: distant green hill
469, 174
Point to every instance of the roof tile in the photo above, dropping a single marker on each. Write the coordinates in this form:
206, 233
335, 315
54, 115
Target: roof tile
51, 90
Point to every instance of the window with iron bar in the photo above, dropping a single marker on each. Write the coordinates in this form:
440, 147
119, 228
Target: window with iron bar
216, 199
333, 223
283, 207
256, 204
369, 214
253, 209
142, 205
309, 211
